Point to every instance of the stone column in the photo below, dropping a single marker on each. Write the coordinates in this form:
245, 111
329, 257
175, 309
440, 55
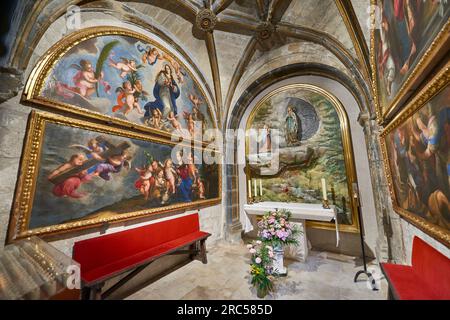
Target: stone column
390, 242
233, 228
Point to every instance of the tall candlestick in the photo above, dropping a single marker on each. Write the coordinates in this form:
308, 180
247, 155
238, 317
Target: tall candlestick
324, 189
249, 188
254, 185
260, 187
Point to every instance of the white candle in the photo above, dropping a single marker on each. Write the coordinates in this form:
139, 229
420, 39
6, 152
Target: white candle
249, 188
260, 187
324, 189
254, 185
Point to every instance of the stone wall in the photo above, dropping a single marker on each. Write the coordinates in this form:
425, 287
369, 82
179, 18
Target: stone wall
13, 122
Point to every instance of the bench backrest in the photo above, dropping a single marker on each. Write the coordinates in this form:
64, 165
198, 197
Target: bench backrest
431, 266
105, 249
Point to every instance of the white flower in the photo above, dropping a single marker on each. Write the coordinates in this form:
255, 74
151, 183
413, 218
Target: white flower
258, 242
252, 250
258, 260
249, 246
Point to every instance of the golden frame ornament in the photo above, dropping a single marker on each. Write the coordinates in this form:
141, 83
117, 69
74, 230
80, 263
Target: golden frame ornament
347, 145
29, 169
436, 49
436, 85
36, 81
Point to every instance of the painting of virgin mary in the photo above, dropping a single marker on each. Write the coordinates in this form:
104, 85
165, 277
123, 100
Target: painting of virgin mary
166, 91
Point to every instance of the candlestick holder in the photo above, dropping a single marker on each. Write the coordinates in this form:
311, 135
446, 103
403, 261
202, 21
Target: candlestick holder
325, 204
253, 199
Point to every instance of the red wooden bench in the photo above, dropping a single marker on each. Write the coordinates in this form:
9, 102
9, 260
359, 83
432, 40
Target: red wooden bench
108, 256
428, 278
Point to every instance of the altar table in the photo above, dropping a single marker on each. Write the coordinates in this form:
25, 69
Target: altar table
300, 213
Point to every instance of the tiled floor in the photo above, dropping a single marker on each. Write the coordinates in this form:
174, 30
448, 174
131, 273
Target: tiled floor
226, 276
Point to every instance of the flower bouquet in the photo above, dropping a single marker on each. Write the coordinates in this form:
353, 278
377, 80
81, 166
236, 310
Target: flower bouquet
261, 267
276, 230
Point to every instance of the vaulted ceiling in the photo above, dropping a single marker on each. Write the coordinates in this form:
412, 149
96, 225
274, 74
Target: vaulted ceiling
233, 42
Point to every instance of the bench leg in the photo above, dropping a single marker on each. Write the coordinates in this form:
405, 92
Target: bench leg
194, 250
85, 293
203, 256
96, 292
390, 294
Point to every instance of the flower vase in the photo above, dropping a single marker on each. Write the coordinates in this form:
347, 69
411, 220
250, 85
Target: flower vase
278, 264
261, 292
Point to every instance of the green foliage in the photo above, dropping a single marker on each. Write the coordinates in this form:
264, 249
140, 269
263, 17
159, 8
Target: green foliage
149, 157
261, 266
261, 269
102, 58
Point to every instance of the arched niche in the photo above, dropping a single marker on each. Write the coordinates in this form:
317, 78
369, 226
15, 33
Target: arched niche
320, 147
331, 81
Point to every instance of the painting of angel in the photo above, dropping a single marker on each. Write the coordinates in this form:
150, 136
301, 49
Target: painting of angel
92, 172
419, 162
404, 32
126, 78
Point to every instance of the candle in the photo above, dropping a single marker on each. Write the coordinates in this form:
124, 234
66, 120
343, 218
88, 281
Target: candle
254, 186
260, 187
249, 188
324, 189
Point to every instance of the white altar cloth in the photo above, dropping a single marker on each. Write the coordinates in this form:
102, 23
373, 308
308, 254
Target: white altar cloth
300, 211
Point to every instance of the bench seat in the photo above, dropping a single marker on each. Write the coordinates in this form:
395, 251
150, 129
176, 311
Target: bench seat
108, 256
117, 267
428, 278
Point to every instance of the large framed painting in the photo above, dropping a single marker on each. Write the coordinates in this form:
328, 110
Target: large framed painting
298, 135
407, 38
417, 163
76, 174
123, 77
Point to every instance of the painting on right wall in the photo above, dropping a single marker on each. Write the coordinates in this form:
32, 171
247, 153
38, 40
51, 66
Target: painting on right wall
408, 36
416, 152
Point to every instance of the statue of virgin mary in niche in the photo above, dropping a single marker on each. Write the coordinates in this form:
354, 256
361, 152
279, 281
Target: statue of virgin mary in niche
293, 127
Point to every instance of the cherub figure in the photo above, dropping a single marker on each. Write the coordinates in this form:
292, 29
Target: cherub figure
93, 150
160, 183
126, 100
196, 101
156, 120
143, 183
172, 118
68, 187
139, 88
113, 164
170, 175
189, 122
150, 55
84, 80
125, 67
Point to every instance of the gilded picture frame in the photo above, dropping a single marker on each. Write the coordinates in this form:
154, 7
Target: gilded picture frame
347, 145
32, 93
30, 170
422, 65
433, 90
